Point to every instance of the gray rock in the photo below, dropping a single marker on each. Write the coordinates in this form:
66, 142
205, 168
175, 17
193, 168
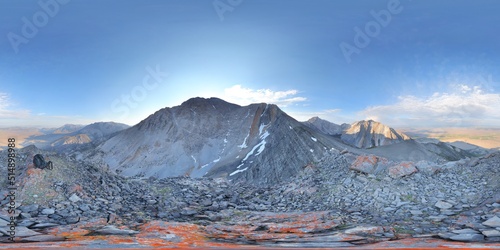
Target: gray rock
492, 239
189, 211
44, 238
84, 207
26, 223
491, 233
416, 212
74, 198
20, 231
72, 220
468, 237
48, 211
443, 205
446, 235
3, 223
29, 208
465, 231
206, 203
24, 215
492, 222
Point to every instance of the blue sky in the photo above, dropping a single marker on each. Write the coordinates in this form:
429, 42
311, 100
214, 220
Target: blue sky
405, 63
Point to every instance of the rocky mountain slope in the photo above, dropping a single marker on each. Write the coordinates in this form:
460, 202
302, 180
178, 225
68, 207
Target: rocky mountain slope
213, 138
326, 127
69, 135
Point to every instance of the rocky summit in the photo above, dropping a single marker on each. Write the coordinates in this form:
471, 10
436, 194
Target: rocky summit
212, 174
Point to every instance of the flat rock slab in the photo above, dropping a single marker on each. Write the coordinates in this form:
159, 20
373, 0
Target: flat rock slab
465, 231
492, 222
443, 205
468, 237
491, 233
44, 238
402, 169
20, 231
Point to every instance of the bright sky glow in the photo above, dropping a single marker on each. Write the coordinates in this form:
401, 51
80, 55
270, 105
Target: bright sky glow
404, 63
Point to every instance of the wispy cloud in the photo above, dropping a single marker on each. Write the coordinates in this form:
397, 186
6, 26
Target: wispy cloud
463, 106
6, 112
244, 96
11, 117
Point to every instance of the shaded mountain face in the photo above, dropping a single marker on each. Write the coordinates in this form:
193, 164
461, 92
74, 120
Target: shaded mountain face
368, 134
325, 126
210, 137
65, 129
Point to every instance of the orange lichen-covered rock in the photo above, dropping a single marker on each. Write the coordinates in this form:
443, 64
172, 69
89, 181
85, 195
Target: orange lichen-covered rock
365, 163
402, 169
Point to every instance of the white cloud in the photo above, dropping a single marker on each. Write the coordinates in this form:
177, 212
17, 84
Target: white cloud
244, 96
464, 106
10, 117
6, 112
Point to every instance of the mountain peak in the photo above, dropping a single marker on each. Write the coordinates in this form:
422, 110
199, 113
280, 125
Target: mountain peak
200, 101
368, 134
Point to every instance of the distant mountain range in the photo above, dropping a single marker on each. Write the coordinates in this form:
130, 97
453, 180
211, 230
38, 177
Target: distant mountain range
71, 135
361, 134
258, 143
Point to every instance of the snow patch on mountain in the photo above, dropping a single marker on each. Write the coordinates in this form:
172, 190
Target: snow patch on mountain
238, 171
244, 144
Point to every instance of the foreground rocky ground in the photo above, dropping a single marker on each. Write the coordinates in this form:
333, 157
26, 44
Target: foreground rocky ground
340, 201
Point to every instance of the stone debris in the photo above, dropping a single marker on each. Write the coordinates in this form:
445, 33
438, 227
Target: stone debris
334, 205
